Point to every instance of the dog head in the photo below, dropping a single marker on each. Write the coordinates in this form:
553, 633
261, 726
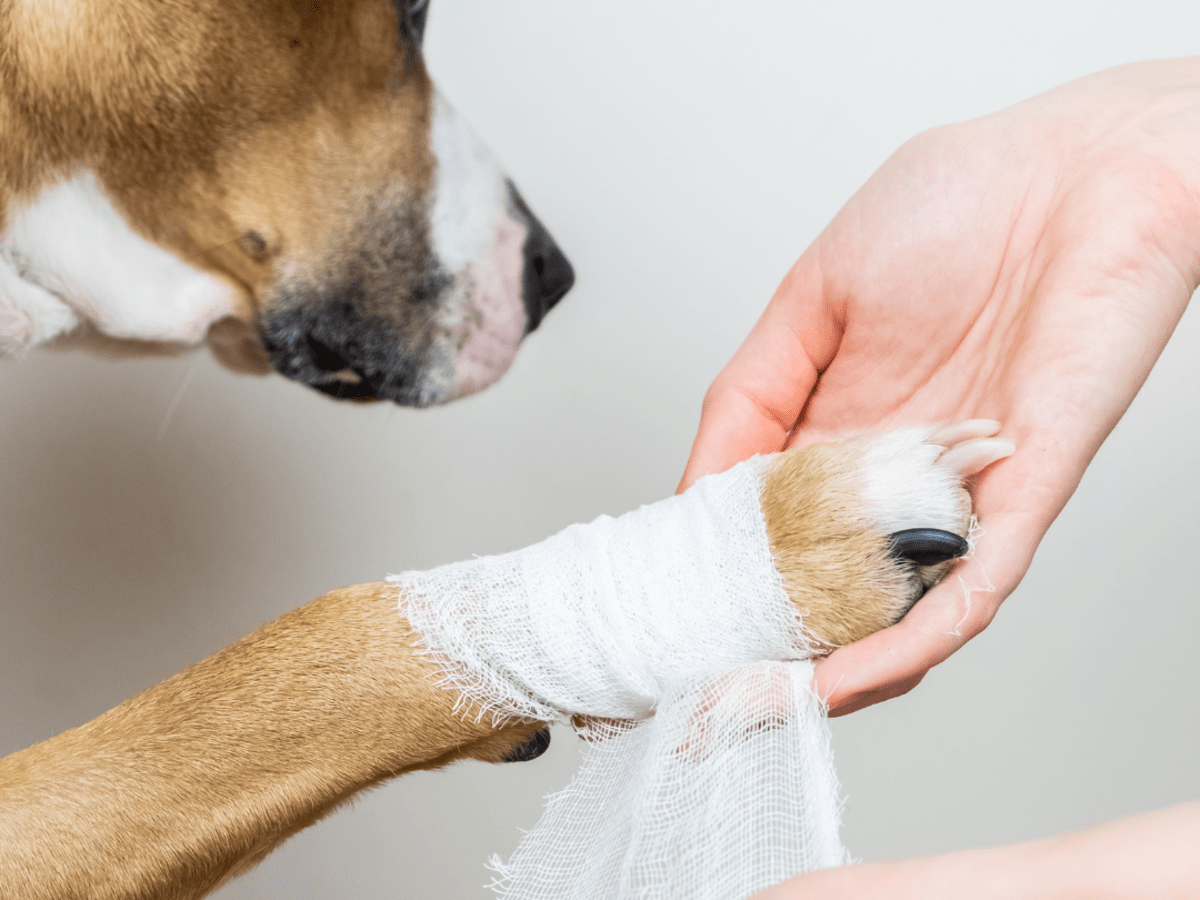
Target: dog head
331, 212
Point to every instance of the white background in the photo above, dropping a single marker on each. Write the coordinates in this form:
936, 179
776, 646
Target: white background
683, 153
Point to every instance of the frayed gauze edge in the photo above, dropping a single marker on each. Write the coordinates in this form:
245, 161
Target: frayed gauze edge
672, 615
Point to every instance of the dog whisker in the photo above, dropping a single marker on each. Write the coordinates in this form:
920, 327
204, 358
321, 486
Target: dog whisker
176, 400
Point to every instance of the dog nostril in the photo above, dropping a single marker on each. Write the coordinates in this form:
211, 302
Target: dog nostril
324, 357
556, 275
927, 546
547, 274
550, 277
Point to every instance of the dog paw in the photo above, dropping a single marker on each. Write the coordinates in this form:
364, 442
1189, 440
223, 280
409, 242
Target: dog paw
861, 528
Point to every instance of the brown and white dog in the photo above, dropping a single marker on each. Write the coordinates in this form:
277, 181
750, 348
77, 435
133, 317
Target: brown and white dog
279, 176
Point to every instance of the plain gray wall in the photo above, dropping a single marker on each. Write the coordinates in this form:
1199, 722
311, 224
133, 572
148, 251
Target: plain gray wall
684, 153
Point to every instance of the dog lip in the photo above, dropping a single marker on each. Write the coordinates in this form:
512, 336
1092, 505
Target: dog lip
531, 749
355, 361
359, 391
369, 389
345, 376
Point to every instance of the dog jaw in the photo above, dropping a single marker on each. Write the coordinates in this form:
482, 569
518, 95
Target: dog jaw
76, 247
29, 314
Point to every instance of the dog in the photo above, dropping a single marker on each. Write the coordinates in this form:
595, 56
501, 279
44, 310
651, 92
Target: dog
281, 181
277, 178
178, 790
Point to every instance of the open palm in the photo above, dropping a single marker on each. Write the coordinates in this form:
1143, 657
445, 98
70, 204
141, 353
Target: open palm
1027, 267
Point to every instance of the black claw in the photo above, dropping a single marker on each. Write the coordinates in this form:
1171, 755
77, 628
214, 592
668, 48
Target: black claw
927, 546
531, 749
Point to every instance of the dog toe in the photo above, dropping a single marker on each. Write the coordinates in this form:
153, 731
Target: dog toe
971, 457
861, 529
538, 744
927, 546
957, 432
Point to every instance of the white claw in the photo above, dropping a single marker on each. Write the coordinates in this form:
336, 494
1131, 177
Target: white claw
957, 432
970, 457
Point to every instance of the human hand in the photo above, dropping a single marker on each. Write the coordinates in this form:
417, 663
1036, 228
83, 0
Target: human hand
1146, 857
1027, 267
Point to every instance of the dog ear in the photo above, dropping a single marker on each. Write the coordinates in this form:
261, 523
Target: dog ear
412, 19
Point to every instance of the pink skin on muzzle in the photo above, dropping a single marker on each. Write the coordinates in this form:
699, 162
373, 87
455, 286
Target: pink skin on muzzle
495, 325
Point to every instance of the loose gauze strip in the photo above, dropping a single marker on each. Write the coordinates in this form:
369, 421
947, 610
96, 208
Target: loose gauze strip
716, 778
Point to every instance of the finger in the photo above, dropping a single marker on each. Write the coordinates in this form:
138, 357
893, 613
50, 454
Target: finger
755, 401
870, 698
857, 676
892, 662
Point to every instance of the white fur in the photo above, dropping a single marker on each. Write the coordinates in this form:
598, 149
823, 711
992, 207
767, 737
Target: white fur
480, 244
905, 485
470, 195
28, 314
70, 255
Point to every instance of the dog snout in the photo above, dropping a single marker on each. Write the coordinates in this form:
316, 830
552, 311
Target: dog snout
325, 359
547, 274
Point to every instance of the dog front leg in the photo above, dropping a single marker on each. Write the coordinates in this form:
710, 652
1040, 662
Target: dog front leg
193, 782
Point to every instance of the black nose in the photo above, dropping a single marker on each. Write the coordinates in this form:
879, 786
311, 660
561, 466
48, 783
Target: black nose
547, 274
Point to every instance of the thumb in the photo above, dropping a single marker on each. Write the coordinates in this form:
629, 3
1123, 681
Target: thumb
757, 399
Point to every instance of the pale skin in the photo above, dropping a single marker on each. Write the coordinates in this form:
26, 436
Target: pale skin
1147, 857
1027, 267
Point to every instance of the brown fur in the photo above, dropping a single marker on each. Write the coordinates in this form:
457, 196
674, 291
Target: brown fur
836, 566
196, 780
836, 569
235, 140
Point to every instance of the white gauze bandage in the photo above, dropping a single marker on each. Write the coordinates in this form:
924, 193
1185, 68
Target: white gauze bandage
718, 779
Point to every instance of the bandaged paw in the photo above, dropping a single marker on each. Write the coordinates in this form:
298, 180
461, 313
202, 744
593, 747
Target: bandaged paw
598, 619
670, 612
